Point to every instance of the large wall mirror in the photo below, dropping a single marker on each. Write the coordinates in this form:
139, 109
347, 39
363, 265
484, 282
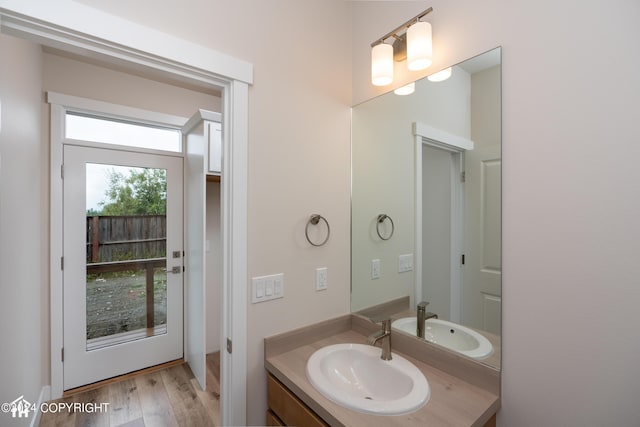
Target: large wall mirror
426, 199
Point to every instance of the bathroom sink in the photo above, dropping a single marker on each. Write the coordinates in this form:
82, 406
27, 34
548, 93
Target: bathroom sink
450, 335
354, 376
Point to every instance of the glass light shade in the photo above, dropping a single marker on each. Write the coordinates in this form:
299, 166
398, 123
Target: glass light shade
419, 48
406, 89
440, 75
381, 64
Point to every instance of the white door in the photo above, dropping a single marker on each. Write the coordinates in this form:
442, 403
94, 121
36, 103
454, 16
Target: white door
195, 229
122, 268
482, 291
437, 223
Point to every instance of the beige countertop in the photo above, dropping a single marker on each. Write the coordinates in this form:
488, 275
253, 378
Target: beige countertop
453, 401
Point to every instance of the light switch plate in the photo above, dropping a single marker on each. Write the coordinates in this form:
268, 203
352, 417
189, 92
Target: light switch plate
267, 288
405, 263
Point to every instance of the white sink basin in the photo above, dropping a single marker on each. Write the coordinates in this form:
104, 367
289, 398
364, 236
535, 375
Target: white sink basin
450, 335
354, 376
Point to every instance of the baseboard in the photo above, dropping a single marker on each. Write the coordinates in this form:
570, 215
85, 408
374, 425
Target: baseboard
212, 349
45, 396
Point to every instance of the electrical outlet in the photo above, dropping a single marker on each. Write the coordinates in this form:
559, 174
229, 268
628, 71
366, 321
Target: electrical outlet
321, 279
375, 268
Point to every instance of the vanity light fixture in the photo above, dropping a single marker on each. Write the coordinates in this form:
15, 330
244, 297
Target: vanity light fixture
414, 45
419, 46
440, 76
406, 89
382, 64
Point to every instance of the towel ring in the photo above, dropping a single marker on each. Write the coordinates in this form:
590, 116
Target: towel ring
380, 220
314, 220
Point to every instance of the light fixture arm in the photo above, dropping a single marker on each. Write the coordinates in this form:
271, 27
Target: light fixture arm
403, 26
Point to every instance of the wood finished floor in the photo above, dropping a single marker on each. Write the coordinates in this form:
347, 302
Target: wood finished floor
169, 397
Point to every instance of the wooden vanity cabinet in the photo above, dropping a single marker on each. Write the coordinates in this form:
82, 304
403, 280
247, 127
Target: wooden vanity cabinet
285, 409
491, 422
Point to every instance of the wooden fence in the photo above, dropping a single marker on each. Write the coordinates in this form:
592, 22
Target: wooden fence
122, 238
125, 243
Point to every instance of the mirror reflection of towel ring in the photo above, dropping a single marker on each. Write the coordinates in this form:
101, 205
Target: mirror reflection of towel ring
380, 220
314, 220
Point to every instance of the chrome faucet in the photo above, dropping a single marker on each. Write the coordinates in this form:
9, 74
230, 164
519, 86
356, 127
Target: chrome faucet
385, 336
422, 316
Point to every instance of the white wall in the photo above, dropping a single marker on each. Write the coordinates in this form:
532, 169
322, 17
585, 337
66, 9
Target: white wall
75, 76
570, 206
23, 307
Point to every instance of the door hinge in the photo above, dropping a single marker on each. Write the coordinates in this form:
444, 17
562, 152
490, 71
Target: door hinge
229, 346
62, 171
61, 263
62, 354
463, 176
462, 259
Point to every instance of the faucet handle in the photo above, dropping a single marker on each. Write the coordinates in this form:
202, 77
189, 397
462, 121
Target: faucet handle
384, 321
422, 306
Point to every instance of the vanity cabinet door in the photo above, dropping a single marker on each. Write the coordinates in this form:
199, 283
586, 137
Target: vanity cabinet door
272, 419
287, 408
491, 422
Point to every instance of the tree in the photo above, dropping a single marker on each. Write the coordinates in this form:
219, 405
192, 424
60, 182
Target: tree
142, 192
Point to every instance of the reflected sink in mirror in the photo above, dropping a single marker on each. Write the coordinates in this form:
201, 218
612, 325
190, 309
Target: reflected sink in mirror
354, 376
449, 335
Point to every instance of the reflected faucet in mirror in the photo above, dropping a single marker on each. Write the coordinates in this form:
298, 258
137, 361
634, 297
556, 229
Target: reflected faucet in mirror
422, 316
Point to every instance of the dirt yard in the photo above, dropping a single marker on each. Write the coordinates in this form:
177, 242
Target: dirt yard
116, 302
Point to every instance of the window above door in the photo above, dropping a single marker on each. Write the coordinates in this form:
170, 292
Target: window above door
121, 132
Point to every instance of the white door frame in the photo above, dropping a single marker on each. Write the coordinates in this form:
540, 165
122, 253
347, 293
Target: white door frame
74, 27
456, 145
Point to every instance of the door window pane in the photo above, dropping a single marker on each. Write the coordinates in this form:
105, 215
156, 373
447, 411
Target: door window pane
126, 277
